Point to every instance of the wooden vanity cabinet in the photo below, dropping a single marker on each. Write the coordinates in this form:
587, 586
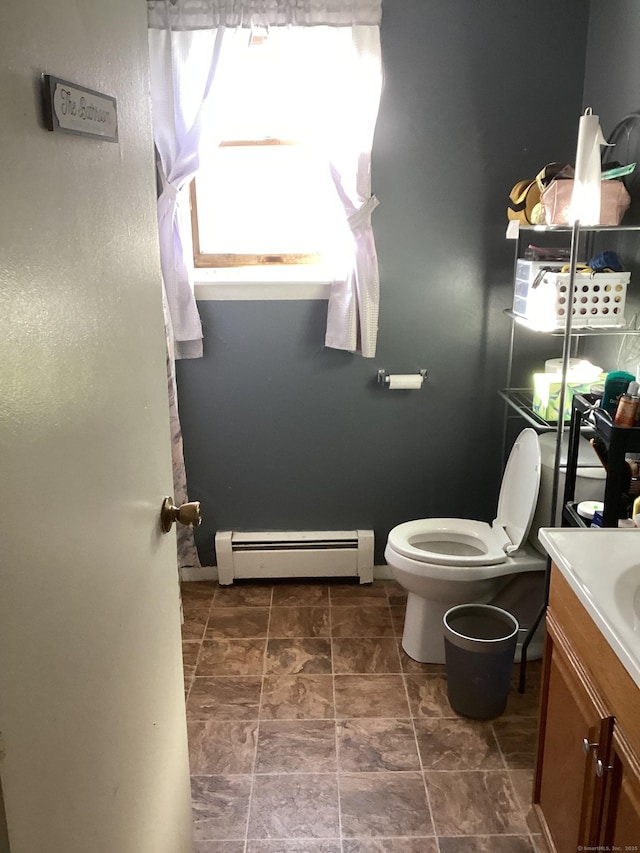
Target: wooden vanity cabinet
621, 829
587, 782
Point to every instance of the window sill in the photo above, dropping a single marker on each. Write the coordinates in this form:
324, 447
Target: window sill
260, 284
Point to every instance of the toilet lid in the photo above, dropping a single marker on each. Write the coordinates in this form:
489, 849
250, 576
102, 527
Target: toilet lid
519, 490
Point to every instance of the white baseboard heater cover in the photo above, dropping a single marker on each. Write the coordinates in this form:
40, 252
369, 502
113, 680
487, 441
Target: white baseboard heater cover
294, 554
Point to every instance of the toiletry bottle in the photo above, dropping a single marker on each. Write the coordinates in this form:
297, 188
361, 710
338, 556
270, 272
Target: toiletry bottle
615, 384
634, 392
627, 409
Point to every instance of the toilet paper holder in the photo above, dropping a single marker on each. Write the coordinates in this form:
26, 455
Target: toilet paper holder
384, 378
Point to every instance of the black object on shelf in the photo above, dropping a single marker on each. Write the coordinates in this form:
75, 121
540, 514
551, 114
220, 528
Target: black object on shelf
618, 440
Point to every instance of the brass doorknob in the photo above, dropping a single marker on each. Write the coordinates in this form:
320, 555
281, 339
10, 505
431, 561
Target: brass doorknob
188, 514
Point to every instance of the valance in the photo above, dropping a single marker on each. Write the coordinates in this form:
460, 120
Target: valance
211, 14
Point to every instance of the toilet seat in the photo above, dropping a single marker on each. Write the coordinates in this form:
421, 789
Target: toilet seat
464, 542
449, 541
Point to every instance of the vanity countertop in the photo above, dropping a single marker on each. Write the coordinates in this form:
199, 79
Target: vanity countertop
602, 567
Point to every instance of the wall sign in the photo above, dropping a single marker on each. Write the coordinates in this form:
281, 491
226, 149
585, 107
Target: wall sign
70, 108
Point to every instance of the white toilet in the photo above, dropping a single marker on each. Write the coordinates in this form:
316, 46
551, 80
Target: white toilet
442, 562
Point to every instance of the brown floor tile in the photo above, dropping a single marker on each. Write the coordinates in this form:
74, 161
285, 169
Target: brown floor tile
522, 781
384, 804
291, 656
231, 657
361, 621
297, 746
474, 802
190, 650
223, 698
356, 593
196, 604
372, 745
222, 747
202, 590
295, 806
390, 845
195, 615
428, 695
297, 697
362, 655
370, 696
296, 622
311, 845
539, 844
457, 744
397, 599
533, 674
517, 739
239, 623
220, 806
525, 704
487, 844
397, 618
300, 594
410, 665
218, 847
254, 595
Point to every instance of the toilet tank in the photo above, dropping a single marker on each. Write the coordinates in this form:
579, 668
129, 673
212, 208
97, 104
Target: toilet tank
590, 481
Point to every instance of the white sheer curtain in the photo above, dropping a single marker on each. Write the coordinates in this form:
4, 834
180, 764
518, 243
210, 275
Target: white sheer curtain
185, 31
209, 14
352, 317
183, 66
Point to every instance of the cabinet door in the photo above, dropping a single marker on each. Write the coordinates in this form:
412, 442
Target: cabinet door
621, 826
569, 792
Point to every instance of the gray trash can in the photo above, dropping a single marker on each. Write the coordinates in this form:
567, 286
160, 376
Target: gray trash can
480, 643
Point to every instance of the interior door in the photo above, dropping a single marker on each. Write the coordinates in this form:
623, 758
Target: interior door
92, 721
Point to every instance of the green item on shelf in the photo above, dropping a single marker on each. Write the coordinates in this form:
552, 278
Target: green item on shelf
615, 384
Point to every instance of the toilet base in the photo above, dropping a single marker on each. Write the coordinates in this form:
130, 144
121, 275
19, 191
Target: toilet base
423, 638
423, 635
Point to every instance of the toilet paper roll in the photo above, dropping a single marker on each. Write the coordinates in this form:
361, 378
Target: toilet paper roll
404, 381
586, 196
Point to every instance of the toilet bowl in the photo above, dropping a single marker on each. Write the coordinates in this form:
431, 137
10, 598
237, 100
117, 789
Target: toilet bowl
442, 562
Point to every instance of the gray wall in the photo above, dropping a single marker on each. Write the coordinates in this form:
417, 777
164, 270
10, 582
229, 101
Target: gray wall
281, 433
613, 60
611, 89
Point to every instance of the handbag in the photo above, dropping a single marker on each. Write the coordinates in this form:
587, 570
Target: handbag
556, 199
524, 198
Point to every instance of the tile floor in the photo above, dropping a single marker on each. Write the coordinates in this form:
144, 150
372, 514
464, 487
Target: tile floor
311, 731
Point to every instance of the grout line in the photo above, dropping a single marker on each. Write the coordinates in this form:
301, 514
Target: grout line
422, 770
335, 724
255, 752
200, 642
502, 758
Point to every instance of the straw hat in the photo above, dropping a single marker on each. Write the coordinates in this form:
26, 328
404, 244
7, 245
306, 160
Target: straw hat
524, 196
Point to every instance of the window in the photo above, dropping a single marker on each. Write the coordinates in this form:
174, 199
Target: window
264, 194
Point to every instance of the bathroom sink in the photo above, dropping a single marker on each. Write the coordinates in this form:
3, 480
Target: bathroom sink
603, 569
627, 596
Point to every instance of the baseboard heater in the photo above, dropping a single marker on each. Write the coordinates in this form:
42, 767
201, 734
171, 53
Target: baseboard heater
294, 554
